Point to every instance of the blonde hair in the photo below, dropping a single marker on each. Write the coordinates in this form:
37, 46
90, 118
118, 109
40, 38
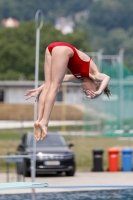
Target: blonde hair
107, 91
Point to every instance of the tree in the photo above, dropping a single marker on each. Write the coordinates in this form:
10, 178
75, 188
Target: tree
111, 14
17, 46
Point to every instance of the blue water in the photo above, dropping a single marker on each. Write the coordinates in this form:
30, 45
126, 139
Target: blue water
81, 195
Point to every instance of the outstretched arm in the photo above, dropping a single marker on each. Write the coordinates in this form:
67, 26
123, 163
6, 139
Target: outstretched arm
34, 92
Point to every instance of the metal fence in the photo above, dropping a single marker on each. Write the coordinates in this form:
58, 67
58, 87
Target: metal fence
115, 114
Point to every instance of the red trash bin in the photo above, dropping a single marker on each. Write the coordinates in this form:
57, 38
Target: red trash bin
113, 159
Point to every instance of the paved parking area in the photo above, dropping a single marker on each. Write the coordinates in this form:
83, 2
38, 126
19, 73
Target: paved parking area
87, 179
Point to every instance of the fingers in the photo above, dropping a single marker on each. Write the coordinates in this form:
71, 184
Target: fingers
35, 98
29, 92
32, 93
93, 95
84, 88
29, 96
90, 93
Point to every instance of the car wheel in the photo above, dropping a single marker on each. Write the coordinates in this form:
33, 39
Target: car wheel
70, 173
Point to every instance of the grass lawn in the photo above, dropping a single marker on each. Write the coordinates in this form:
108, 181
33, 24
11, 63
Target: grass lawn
83, 146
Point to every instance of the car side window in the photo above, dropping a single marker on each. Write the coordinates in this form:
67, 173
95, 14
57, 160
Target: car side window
29, 139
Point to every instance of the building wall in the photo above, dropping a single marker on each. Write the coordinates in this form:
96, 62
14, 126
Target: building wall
14, 92
15, 95
74, 95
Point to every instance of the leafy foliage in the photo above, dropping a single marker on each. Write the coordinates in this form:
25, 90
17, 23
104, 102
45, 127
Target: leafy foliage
17, 46
107, 24
25, 10
112, 14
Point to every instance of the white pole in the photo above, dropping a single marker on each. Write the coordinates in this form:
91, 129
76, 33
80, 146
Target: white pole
121, 77
39, 26
100, 58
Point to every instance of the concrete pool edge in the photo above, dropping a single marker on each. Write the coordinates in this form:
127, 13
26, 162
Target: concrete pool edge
65, 189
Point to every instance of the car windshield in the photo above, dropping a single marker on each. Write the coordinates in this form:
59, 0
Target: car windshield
49, 141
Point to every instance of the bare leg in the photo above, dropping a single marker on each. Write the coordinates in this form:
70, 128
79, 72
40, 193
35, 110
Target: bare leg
59, 64
47, 69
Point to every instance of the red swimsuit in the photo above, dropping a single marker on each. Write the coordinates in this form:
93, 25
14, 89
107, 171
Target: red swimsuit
76, 65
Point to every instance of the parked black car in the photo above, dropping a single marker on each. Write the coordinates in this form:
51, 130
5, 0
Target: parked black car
52, 155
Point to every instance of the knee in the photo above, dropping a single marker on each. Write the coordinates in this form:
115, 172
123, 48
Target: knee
47, 87
55, 87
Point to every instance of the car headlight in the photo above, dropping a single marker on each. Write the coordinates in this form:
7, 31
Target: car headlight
69, 156
42, 156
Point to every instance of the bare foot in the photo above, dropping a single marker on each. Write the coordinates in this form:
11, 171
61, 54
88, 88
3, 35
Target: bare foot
38, 131
43, 128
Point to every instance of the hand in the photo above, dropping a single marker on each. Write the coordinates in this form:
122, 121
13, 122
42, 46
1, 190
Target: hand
91, 94
32, 93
